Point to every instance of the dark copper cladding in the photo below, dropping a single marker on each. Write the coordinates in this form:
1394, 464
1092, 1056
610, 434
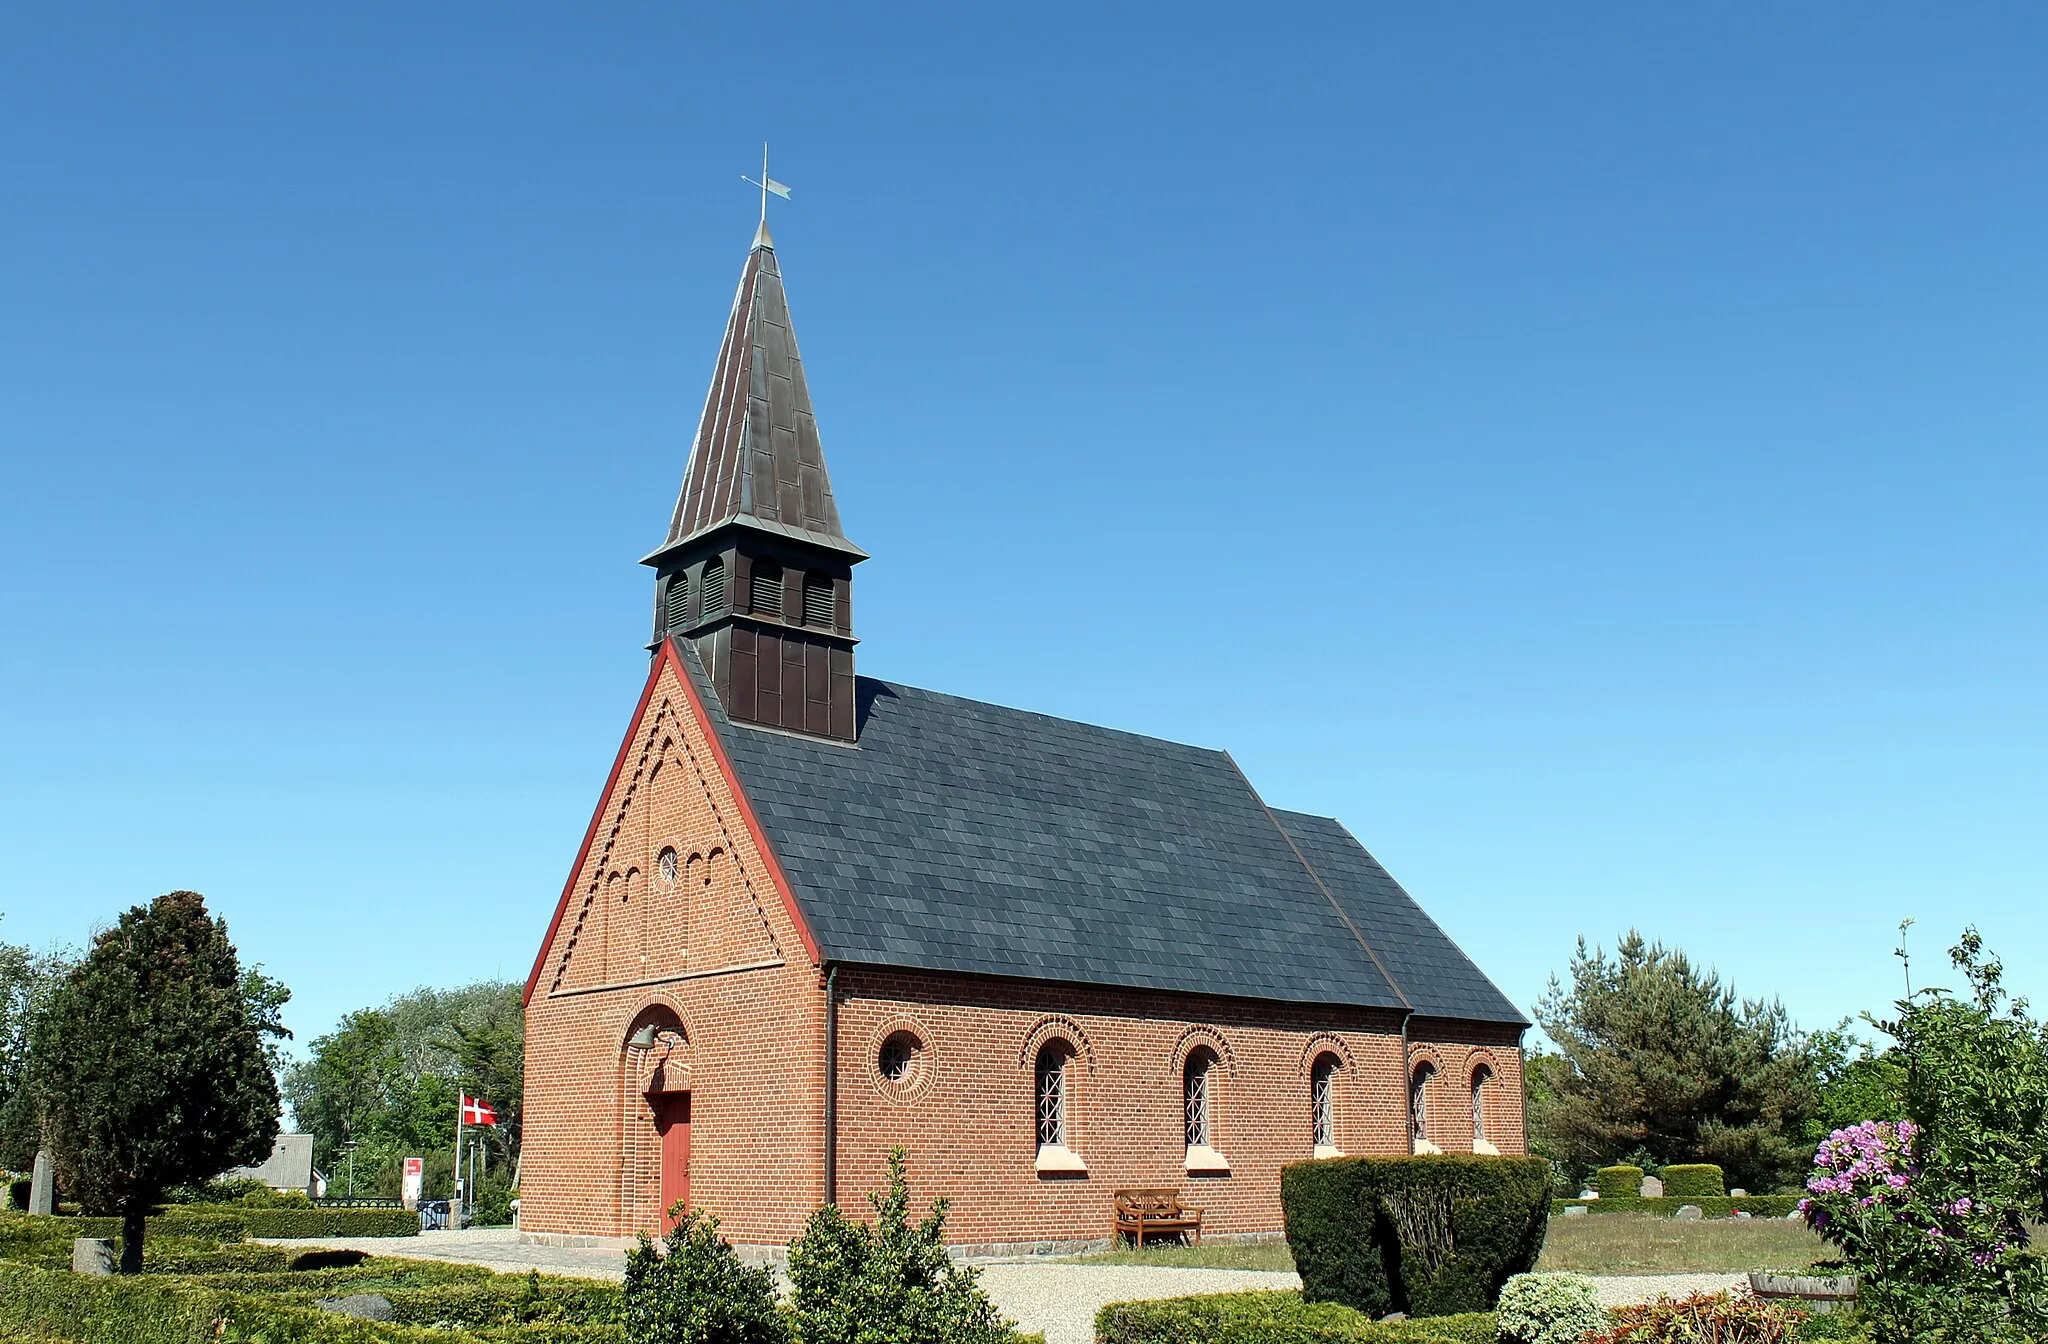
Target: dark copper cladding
756, 499
757, 457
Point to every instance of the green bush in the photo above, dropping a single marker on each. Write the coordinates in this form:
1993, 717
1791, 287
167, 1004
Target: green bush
1275, 1318
1549, 1309
1761, 1206
307, 1222
1431, 1236
891, 1283
1619, 1182
277, 1308
1694, 1180
41, 1238
694, 1290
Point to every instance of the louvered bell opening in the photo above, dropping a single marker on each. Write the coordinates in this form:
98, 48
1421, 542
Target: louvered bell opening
678, 602
764, 597
817, 600
714, 588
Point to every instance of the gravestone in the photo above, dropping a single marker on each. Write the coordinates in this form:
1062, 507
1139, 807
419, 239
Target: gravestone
1653, 1188
92, 1255
1689, 1212
1589, 1193
42, 1186
1738, 1193
362, 1306
1574, 1211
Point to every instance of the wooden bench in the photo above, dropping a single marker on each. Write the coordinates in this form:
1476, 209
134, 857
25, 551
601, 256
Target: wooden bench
1143, 1212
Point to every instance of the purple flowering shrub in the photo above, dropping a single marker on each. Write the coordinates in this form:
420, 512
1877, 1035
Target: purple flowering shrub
1931, 1212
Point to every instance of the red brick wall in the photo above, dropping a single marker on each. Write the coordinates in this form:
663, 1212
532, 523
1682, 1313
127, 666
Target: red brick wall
968, 1117
715, 953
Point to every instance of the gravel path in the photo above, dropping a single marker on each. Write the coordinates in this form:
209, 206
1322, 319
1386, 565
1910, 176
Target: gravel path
1621, 1290
1059, 1300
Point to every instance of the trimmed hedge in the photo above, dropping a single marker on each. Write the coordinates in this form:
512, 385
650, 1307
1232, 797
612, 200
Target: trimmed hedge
314, 1222
1275, 1318
1694, 1180
39, 1237
142, 1310
1761, 1206
1430, 1236
1619, 1182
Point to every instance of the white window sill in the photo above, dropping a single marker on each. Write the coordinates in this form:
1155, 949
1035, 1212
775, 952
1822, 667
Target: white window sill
1484, 1149
1423, 1147
1053, 1157
1204, 1158
1324, 1150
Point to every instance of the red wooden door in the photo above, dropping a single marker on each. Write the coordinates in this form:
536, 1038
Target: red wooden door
672, 1122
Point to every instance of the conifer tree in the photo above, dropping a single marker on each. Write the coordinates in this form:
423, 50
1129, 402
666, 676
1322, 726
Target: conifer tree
1662, 1056
149, 1065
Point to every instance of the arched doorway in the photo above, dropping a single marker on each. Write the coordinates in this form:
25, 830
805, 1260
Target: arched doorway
657, 1066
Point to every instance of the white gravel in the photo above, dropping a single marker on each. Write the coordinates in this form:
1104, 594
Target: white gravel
1061, 1300
1058, 1300
1622, 1290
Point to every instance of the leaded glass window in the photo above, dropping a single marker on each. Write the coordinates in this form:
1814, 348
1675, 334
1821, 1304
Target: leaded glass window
1480, 1076
1195, 1094
1418, 1100
1321, 1076
1052, 1094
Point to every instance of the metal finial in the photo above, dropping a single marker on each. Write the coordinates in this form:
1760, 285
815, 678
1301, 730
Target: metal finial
766, 184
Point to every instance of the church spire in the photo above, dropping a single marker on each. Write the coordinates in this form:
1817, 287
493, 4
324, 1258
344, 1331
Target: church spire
756, 569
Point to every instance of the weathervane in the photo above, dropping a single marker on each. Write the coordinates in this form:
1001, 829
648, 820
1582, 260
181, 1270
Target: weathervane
766, 184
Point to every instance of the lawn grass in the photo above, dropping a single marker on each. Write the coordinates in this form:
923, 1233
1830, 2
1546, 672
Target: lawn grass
1641, 1243
1611, 1243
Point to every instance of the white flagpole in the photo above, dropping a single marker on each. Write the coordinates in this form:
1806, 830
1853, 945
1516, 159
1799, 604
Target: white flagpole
455, 1204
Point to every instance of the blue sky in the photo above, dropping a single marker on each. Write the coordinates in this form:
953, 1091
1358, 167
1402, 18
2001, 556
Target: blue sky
1595, 452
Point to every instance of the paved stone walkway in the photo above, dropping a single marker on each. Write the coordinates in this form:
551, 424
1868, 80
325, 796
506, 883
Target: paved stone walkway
1059, 1300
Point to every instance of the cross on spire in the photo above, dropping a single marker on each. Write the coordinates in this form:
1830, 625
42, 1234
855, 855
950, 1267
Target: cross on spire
766, 184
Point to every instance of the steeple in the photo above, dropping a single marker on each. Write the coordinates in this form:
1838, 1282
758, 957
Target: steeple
756, 570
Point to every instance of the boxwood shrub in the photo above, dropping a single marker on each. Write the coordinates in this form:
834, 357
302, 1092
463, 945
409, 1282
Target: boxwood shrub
312, 1222
168, 1310
1761, 1206
1619, 1182
1430, 1236
1694, 1180
1275, 1318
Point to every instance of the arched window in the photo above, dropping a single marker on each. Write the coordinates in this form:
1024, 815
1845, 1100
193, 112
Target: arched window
1194, 1091
1053, 1058
1418, 1101
764, 589
1322, 1077
1480, 1077
678, 613
818, 604
713, 599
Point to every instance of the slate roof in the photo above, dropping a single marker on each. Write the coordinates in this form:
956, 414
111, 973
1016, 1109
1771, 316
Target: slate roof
969, 837
757, 460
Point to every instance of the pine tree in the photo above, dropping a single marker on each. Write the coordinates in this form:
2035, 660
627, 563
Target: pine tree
149, 1065
1664, 1057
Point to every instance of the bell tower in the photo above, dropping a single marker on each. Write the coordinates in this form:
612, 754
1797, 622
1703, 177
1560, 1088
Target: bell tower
756, 572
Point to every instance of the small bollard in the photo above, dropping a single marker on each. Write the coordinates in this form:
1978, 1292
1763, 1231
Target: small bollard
92, 1255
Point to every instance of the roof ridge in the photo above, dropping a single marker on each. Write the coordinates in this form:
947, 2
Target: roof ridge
1042, 714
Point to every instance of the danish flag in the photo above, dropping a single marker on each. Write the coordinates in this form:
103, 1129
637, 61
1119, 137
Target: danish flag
476, 1112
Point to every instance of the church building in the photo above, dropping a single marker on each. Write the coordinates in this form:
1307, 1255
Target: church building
816, 915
